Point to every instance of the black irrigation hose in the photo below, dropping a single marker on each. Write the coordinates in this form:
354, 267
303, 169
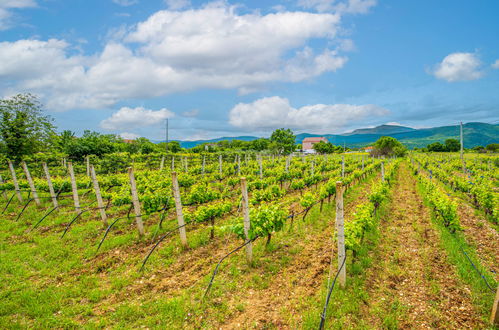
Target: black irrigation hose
218, 265
158, 242
72, 221
477, 270
110, 226
46, 215
107, 231
24, 208
8, 203
323, 315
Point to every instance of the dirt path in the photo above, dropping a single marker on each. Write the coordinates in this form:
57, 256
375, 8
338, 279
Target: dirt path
280, 304
412, 285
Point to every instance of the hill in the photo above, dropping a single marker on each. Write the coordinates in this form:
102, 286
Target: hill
475, 134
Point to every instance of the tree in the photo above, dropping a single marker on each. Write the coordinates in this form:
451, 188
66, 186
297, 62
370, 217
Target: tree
436, 147
493, 147
388, 146
282, 141
452, 145
324, 147
24, 129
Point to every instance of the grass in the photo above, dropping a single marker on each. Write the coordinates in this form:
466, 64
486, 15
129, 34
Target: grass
49, 282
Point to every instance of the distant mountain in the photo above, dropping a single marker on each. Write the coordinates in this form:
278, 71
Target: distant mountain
383, 129
475, 134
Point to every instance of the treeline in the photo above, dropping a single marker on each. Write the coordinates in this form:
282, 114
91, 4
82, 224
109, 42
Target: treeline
453, 145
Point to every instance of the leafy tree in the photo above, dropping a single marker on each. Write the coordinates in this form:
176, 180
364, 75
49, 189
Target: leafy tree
24, 129
388, 146
436, 147
494, 147
93, 143
324, 147
452, 145
282, 141
259, 144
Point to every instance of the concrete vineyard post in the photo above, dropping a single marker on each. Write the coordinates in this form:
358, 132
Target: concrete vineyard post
162, 164
30, 182
136, 203
204, 164
178, 208
87, 162
98, 196
220, 164
287, 164
238, 164
340, 231
462, 146
173, 163
494, 317
362, 162
49, 183
74, 188
312, 167
382, 171
261, 168
342, 166
246, 219
3, 192
16, 183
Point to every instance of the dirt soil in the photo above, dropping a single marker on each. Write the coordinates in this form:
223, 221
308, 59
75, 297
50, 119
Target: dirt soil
412, 274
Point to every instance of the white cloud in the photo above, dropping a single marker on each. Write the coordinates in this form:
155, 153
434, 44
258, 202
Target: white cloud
495, 65
129, 136
191, 113
125, 3
6, 7
129, 118
348, 6
459, 67
269, 113
177, 4
175, 51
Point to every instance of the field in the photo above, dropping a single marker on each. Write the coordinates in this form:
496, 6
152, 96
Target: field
421, 239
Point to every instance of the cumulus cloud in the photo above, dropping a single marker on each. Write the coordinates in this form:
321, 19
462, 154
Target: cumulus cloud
125, 3
459, 67
177, 4
129, 118
269, 113
348, 6
6, 7
129, 136
495, 65
175, 51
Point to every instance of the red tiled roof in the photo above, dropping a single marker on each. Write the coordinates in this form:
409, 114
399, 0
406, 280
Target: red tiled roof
314, 139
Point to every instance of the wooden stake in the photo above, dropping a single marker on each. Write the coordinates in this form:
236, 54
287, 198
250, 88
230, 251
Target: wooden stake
178, 208
246, 219
76, 199
16, 184
136, 203
3, 192
340, 231
49, 183
220, 164
494, 317
100, 203
238, 164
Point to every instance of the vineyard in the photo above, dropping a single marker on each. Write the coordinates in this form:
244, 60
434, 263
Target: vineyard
250, 240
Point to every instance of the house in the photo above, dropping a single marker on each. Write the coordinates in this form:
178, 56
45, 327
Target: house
368, 149
128, 140
308, 143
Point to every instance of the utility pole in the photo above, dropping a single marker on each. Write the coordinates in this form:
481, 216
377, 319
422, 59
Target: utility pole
462, 146
167, 135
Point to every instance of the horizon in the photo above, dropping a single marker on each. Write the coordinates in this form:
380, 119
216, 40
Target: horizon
245, 68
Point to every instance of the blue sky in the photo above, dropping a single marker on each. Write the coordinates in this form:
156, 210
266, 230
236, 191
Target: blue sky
228, 68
